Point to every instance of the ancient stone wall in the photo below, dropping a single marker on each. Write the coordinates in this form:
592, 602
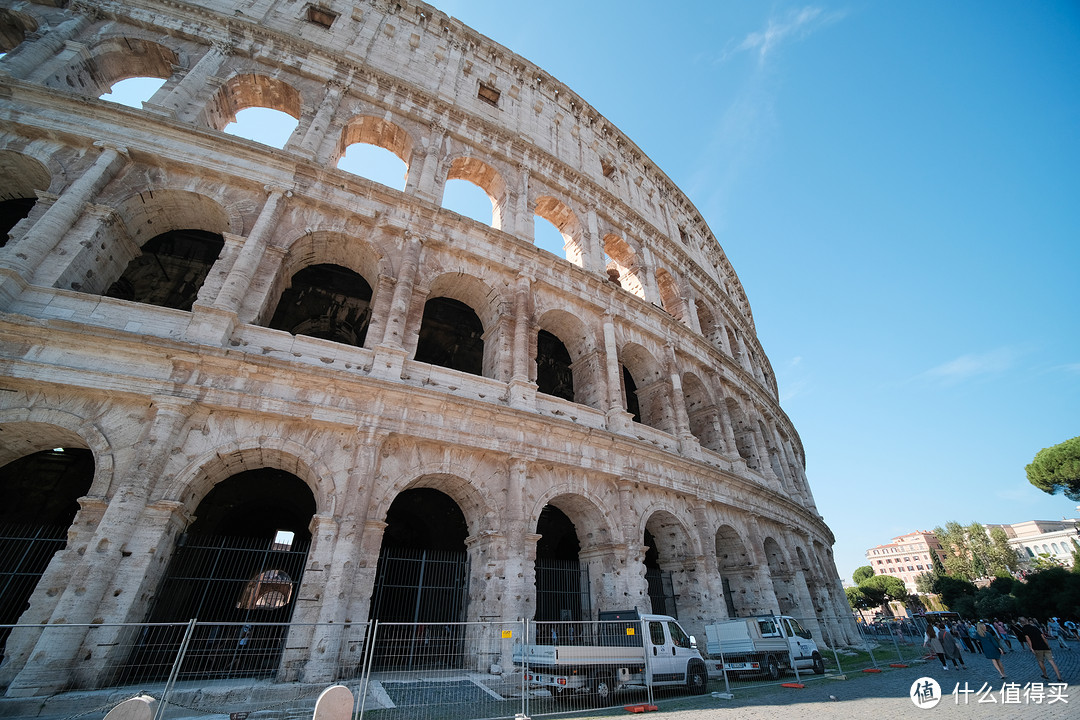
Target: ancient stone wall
665, 440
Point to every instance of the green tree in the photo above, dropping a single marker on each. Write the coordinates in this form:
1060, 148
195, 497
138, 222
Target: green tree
891, 588
959, 560
1048, 593
953, 589
924, 582
856, 598
991, 603
1057, 468
971, 552
862, 574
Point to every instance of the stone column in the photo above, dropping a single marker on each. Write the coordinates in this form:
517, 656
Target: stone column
688, 443
176, 102
523, 221
21, 258
390, 354
309, 144
522, 389
427, 182
332, 642
104, 560
214, 324
381, 297
618, 419
32, 56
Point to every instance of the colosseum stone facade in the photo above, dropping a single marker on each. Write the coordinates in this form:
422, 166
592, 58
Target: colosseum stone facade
212, 345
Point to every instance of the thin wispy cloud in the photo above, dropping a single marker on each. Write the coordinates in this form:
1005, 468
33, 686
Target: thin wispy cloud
974, 366
792, 380
795, 24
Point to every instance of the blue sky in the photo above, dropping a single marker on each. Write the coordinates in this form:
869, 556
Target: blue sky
898, 187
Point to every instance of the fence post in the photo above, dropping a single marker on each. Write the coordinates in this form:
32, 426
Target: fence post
365, 664
180, 653
524, 668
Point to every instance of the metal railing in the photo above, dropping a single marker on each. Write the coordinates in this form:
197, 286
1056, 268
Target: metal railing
454, 671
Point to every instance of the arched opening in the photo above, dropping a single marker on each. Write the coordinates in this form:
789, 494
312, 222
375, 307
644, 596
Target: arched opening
469, 200
377, 150
170, 270
14, 27
133, 91
621, 265
276, 107
701, 412
782, 578
630, 392
22, 178
476, 190
421, 582
562, 582
452, 336
552, 214
737, 573
325, 301
666, 561
554, 375
38, 501
669, 294
236, 570
740, 426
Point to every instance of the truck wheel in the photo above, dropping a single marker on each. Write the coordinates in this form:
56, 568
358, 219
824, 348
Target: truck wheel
819, 664
697, 678
603, 691
772, 668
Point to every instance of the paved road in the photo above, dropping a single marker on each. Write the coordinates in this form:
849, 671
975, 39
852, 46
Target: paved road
884, 696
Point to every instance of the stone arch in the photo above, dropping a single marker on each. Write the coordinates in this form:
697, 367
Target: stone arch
623, 265
739, 576
701, 411
180, 229
462, 332
581, 345
27, 430
246, 90
650, 387
14, 27
119, 58
345, 274
670, 552
670, 298
774, 454
559, 214
379, 132
22, 177
472, 503
195, 480
783, 578
744, 433
488, 179
589, 513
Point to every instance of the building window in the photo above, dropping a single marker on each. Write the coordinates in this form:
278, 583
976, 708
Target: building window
489, 94
321, 16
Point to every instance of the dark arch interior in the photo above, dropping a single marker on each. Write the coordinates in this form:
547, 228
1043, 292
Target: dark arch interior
44, 487
562, 584
451, 336
256, 504
11, 212
553, 373
328, 302
170, 270
425, 519
38, 501
558, 536
632, 405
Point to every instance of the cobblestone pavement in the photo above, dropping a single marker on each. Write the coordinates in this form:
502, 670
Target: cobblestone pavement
886, 695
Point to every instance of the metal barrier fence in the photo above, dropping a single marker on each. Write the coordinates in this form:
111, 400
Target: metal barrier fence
452, 671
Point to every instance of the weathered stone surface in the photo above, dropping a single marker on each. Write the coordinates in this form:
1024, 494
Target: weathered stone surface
669, 428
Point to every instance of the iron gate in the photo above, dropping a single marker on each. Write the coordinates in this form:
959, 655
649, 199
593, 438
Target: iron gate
661, 593
25, 552
242, 592
419, 596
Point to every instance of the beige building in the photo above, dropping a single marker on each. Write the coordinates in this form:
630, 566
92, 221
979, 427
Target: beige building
1053, 539
906, 557
238, 383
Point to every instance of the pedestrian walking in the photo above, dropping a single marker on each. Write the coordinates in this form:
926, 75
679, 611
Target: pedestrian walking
932, 641
950, 647
1053, 629
1003, 635
1036, 642
991, 650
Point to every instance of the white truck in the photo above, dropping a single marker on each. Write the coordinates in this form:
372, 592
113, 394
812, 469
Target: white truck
765, 645
624, 650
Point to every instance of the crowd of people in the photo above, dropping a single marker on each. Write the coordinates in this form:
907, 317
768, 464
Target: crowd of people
994, 639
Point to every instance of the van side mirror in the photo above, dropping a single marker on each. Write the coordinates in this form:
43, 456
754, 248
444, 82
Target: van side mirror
693, 643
